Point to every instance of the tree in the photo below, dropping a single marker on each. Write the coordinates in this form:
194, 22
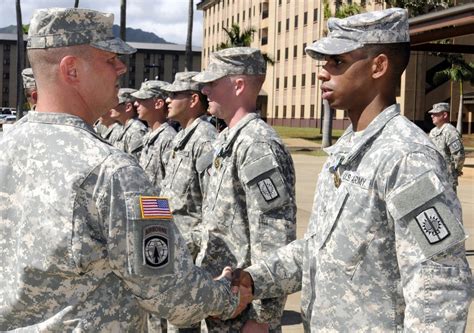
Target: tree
459, 71
188, 65
417, 7
238, 38
20, 52
76, 3
123, 19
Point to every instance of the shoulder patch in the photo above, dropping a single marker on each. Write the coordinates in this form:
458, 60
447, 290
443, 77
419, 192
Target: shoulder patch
268, 189
432, 225
156, 246
154, 207
455, 145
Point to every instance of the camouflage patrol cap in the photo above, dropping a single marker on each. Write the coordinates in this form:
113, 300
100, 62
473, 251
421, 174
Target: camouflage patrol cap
60, 27
29, 81
439, 107
354, 32
183, 82
151, 89
233, 61
125, 95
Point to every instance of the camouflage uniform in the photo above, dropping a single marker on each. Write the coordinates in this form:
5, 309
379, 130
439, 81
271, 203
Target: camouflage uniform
448, 141
186, 179
111, 133
384, 247
80, 250
155, 153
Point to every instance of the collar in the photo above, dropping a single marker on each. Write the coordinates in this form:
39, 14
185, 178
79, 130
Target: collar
187, 133
230, 134
155, 133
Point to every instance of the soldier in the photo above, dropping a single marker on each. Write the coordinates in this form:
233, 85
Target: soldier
384, 250
86, 244
249, 210
29, 85
108, 128
448, 141
151, 107
133, 131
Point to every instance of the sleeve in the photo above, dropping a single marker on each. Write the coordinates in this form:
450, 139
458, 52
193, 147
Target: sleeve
148, 253
267, 174
456, 148
435, 275
135, 142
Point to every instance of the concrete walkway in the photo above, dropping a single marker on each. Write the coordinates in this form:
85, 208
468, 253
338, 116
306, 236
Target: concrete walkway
307, 170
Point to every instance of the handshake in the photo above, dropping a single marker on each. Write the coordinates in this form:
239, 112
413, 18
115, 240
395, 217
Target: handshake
242, 284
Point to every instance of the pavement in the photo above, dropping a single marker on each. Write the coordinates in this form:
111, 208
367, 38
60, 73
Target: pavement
307, 170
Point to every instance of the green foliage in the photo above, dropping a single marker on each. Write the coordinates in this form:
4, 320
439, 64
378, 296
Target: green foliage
236, 38
26, 27
348, 10
418, 7
327, 10
458, 71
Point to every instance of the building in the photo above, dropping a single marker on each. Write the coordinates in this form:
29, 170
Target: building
291, 93
152, 61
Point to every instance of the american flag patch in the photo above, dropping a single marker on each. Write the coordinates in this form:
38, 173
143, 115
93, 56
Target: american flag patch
155, 208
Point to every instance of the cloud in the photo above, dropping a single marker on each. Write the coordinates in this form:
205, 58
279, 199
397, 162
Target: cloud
166, 18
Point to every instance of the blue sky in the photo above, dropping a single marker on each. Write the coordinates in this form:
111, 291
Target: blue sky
165, 18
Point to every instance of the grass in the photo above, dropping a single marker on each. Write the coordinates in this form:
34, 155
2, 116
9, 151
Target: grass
311, 134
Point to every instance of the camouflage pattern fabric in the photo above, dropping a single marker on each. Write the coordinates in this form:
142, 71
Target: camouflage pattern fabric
151, 89
78, 254
155, 153
249, 210
183, 82
186, 179
131, 138
449, 143
384, 248
112, 133
354, 32
29, 81
233, 61
60, 27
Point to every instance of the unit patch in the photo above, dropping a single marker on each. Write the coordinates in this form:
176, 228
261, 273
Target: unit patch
432, 225
268, 189
455, 146
156, 250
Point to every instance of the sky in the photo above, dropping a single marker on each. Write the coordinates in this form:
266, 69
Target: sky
166, 18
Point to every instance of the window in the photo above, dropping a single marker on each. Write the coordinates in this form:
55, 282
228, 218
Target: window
315, 15
279, 27
294, 81
276, 111
279, 2
286, 53
238, 17
303, 80
295, 51
311, 111
293, 111
302, 111
304, 48
305, 18
285, 82
278, 55
284, 111
287, 24
243, 16
296, 21
313, 79
277, 83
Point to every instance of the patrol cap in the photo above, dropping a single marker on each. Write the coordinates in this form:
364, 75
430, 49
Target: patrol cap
233, 61
60, 27
439, 107
354, 32
29, 81
125, 95
183, 82
151, 89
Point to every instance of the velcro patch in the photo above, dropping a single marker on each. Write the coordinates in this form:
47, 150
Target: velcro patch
432, 225
268, 189
455, 146
154, 207
156, 247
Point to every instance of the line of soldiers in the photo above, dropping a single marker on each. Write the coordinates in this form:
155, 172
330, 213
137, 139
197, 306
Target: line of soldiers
99, 247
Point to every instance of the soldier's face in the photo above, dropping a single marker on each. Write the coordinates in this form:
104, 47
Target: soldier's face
178, 105
347, 80
439, 118
218, 93
145, 107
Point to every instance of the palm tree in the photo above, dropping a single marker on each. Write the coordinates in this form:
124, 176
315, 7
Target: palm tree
76, 4
123, 19
20, 52
188, 65
458, 71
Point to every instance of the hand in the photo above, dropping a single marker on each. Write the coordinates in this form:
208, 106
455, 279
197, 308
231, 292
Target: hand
242, 283
251, 326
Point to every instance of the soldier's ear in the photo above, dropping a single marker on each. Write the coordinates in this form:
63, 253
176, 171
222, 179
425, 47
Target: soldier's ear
68, 69
379, 66
239, 85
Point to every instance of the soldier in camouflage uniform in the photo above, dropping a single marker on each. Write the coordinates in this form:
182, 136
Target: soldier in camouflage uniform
151, 107
384, 250
448, 141
29, 87
108, 128
130, 140
249, 210
86, 245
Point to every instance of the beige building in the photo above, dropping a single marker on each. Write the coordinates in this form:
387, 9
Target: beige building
151, 61
291, 93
